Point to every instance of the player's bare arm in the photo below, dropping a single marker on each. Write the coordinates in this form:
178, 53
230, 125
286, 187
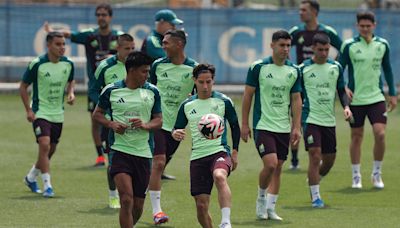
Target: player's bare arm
247, 98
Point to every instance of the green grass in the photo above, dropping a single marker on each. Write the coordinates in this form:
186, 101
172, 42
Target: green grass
81, 190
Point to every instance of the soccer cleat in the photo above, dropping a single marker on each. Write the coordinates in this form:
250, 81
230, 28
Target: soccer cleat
160, 218
356, 182
294, 165
32, 185
377, 180
48, 193
100, 161
272, 215
318, 203
113, 202
167, 177
261, 208
225, 225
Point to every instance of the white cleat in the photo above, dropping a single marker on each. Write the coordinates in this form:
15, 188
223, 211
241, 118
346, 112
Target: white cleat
357, 182
273, 216
377, 180
261, 208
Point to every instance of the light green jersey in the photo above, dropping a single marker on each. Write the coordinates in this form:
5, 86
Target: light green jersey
191, 111
124, 104
320, 82
365, 61
48, 80
175, 83
274, 85
109, 71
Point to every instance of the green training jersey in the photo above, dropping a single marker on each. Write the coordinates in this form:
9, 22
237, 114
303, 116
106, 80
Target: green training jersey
152, 45
109, 71
48, 81
365, 61
175, 83
124, 104
274, 85
320, 82
191, 111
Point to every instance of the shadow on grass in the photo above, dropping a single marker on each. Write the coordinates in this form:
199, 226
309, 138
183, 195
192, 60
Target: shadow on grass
101, 211
91, 168
261, 223
349, 190
148, 224
295, 172
36, 197
309, 208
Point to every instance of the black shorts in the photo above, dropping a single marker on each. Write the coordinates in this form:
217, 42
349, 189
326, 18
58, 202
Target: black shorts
376, 114
164, 143
319, 136
201, 172
268, 142
136, 167
42, 127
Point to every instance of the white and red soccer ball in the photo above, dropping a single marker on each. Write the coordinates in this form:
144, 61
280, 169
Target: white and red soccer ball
211, 126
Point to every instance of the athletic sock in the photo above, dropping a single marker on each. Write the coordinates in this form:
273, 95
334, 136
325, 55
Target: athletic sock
33, 173
226, 215
46, 180
155, 198
271, 201
377, 167
113, 193
100, 150
356, 169
261, 193
314, 189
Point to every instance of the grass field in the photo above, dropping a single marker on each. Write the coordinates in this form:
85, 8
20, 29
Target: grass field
81, 190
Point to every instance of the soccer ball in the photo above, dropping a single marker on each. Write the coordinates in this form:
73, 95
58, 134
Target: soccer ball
211, 126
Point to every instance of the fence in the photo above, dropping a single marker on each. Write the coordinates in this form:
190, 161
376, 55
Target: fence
229, 38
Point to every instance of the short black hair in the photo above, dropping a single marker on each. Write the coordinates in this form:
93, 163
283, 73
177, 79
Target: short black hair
50, 36
366, 15
137, 59
203, 68
106, 7
281, 34
124, 37
321, 38
178, 33
314, 4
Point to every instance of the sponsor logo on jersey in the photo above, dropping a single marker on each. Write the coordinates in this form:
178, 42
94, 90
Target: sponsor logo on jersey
120, 101
47, 74
269, 76
164, 75
114, 76
312, 75
192, 112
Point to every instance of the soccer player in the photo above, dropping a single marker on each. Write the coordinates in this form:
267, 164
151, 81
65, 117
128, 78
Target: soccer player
100, 43
365, 54
49, 74
321, 78
173, 77
302, 38
211, 160
109, 71
275, 82
135, 110
165, 20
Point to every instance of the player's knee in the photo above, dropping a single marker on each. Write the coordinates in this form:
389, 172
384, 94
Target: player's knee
380, 136
126, 200
201, 206
270, 167
158, 163
219, 178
